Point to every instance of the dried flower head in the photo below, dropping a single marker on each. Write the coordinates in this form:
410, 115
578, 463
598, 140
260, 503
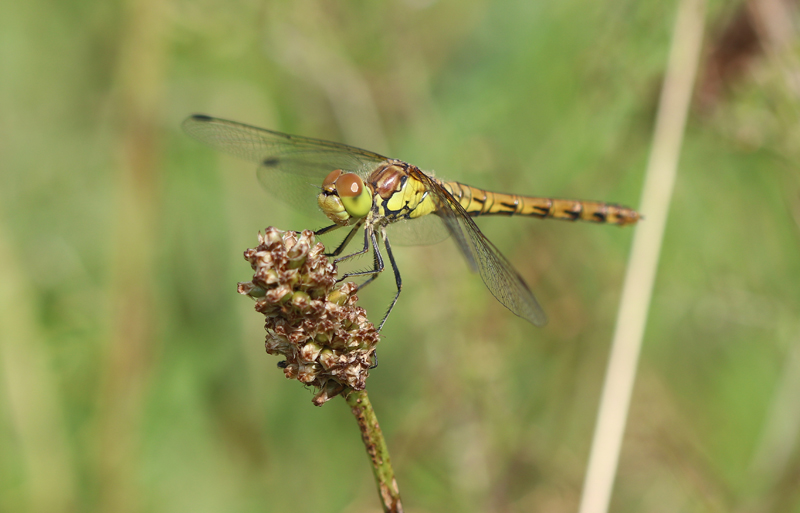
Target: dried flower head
327, 341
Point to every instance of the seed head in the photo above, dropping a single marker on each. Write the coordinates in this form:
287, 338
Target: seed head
327, 341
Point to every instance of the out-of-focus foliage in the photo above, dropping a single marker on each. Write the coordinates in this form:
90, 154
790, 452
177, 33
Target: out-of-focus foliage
134, 377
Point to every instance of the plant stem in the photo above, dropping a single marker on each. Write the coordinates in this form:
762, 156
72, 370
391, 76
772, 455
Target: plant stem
637, 292
378, 453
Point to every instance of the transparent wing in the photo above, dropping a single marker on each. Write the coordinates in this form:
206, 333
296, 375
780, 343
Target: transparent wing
421, 231
275, 149
497, 273
291, 167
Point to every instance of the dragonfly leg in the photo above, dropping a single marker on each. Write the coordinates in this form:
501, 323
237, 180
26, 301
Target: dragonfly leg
377, 262
377, 265
327, 229
340, 248
369, 240
398, 281
360, 252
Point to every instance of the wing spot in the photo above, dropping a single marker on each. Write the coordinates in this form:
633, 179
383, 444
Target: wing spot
271, 162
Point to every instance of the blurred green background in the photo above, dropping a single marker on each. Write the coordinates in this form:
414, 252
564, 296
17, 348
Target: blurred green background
134, 378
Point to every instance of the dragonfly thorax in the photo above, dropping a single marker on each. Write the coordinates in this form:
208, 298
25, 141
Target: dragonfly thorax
402, 195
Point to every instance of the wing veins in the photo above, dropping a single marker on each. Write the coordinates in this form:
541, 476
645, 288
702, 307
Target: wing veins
499, 276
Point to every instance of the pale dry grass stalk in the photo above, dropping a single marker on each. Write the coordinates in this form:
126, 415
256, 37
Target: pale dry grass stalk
637, 292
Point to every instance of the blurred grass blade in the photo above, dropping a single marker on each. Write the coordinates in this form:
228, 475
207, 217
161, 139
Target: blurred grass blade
132, 349
32, 397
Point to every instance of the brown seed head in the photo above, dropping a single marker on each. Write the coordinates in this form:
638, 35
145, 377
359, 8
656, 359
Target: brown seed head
326, 339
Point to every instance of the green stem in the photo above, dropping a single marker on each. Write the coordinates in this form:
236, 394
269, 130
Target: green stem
376, 449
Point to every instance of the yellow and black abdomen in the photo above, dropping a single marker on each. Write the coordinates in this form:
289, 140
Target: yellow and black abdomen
478, 202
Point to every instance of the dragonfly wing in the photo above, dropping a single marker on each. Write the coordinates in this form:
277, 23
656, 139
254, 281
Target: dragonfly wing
295, 176
421, 231
500, 277
267, 146
291, 167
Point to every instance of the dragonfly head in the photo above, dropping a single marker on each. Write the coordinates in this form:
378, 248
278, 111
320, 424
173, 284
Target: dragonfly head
344, 196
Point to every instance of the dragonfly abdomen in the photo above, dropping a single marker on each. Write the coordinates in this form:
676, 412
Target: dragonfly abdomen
479, 202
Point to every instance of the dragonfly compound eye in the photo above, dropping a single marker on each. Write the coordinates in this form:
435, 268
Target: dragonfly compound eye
356, 198
331, 178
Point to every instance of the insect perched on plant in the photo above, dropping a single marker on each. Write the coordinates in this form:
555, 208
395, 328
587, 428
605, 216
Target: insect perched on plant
361, 189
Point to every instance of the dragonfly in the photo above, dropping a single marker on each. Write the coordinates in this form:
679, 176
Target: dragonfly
386, 197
